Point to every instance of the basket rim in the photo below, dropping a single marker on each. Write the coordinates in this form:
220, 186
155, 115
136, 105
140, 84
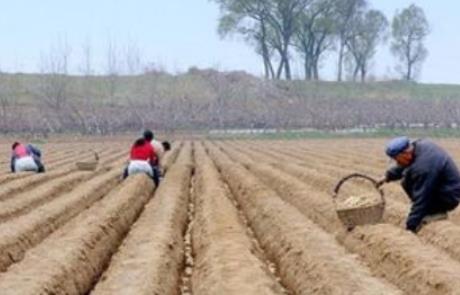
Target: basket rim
358, 175
361, 208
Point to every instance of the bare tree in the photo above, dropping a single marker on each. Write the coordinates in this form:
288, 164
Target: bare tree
133, 68
5, 97
250, 19
346, 11
368, 30
86, 67
82, 110
314, 35
270, 23
54, 69
133, 59
53, 88
282, 17
9, 87
112, 70
410, 28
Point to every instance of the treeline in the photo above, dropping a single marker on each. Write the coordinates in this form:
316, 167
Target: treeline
207, 99
283, 30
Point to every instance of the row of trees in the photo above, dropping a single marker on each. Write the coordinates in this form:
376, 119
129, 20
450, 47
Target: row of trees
310, 28
207, 99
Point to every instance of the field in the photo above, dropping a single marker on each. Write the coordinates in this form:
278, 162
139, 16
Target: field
229, 217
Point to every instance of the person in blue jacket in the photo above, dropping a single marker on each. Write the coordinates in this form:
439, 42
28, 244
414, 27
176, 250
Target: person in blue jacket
429, 177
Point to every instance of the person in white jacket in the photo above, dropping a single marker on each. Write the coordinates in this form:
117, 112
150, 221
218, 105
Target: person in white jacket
160, 148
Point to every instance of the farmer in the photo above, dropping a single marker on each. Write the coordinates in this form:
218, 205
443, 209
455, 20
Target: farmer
142, 159
26, 158
429, 177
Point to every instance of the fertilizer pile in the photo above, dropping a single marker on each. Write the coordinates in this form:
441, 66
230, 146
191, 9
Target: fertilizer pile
358, 201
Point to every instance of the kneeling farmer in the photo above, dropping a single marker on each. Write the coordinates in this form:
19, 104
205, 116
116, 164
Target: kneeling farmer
142, 158
429, 177
26, 158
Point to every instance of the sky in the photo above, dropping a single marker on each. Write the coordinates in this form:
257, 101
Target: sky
178, 34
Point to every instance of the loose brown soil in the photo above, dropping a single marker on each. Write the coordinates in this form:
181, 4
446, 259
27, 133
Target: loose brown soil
229, 217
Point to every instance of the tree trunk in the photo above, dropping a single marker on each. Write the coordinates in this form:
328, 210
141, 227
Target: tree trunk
363, 73
307, 68
340, 62
269, 73
409, 62
287, 68
355, 73
268, 68
266, 72
285, 57
409, 71
315, 70
280, 68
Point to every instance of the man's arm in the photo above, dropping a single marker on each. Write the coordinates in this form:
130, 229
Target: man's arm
13, 158
422, 194
392, 174
34, 150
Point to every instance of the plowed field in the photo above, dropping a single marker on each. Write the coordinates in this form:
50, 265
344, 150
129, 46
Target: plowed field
229, 217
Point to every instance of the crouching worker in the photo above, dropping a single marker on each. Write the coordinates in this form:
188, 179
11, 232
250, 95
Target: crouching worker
26, 158
160, 149
142, 159
429, 177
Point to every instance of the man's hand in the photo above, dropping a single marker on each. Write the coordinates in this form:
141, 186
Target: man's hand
410, 226
380, 182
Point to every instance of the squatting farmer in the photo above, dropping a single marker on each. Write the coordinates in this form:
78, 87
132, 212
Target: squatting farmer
429, 177
26, 157
160, 149
143, 159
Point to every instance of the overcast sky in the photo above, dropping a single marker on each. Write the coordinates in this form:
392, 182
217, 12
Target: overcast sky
178, 34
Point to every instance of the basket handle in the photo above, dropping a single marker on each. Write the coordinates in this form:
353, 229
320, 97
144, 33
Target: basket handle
96, 155
357, 175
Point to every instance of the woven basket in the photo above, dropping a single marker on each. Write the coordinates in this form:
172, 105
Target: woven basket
89, 165
367, 214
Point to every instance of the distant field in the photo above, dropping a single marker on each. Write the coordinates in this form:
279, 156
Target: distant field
355, 133
24, 87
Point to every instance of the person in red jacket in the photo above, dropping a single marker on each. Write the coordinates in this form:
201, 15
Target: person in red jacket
142, 159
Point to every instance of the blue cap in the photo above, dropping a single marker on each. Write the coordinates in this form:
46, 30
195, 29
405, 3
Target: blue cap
396, 146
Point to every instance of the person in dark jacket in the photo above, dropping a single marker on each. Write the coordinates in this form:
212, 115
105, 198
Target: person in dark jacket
26, 158
429, 177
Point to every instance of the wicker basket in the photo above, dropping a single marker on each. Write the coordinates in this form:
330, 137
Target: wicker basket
89, 165
367, 214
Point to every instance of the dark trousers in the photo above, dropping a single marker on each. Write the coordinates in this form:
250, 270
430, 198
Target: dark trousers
41, 167
156, 175
441, 206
